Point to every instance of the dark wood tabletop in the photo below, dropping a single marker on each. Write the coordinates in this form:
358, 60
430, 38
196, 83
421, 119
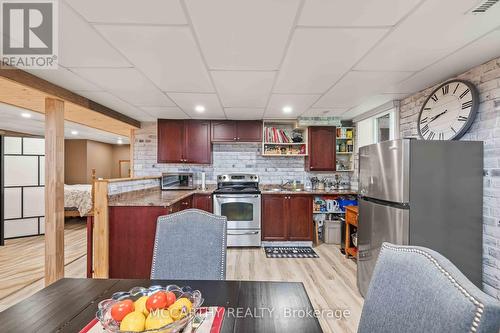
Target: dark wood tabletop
70, 304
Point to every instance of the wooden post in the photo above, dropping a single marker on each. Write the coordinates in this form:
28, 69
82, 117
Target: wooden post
132, 145
54, 190
101, 231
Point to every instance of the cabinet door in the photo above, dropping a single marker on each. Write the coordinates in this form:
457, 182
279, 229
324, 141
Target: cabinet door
170, 141
300, 223
224, 131
321, 148
197, 146
203, 202
186, 203
249, 131
274, 218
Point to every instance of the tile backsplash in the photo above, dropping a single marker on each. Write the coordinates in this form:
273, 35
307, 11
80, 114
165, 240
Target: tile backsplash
227, 158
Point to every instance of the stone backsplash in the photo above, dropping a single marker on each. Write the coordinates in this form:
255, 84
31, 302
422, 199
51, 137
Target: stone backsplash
227, 158
486, 128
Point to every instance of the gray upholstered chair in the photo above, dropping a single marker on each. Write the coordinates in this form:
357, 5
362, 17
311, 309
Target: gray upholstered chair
190, 245
414, 289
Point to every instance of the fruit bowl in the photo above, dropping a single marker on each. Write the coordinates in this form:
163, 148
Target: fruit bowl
104, 313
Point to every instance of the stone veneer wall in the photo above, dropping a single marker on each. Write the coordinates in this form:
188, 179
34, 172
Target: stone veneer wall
227, 158
486, 127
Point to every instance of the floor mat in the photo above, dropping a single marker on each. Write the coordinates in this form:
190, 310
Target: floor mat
290, 252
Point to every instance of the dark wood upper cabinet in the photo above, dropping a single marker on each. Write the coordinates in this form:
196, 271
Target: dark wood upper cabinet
237, 131
300, 225
274, 218
170, 141
184, 141
197, 142
224, 131
321, 148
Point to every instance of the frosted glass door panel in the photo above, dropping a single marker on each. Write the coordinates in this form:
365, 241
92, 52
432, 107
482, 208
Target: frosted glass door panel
12, 203
33, 146
42, 170
12, 145
21, 170
18, 228
34, 203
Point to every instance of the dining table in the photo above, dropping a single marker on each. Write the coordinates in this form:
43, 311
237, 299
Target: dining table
69, 304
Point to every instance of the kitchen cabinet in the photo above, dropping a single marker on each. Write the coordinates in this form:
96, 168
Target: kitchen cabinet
184, 141
236, 131
322, 141
203, 202
180, 205
287, 217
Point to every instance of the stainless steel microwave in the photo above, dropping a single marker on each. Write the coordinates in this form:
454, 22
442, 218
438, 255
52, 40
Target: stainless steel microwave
177, 181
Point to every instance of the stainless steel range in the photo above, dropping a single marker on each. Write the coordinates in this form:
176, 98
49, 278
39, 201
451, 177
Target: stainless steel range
238, 198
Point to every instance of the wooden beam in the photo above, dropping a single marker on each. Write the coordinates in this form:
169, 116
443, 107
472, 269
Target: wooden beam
54, 190
101, 231
48, 88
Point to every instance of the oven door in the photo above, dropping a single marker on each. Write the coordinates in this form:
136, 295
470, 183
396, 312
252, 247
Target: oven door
242, 210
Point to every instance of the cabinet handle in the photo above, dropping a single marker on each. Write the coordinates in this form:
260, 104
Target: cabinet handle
238, 139
234, 139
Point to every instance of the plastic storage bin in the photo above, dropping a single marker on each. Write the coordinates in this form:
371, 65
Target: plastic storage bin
332, 232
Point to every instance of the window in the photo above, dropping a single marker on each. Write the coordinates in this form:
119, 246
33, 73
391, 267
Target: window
377, 128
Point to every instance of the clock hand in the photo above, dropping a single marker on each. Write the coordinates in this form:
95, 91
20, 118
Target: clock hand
437, 116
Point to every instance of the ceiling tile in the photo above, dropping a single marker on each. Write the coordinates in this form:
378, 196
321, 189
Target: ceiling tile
244, 113
474, 54
298, 103
317, 58
165, 112
167, 55
324, 112
241, 34
115, 103
371, 103
434, 30
81, 46
126, 83
129, 11
357, 86
64, 78
187, 102
243, 88
354, 13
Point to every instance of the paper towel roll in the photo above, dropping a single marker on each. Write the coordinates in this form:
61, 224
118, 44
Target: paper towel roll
203, 185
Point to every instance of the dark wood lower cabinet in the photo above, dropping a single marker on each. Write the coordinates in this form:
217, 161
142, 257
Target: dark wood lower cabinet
131, 238
287, 218
203, 202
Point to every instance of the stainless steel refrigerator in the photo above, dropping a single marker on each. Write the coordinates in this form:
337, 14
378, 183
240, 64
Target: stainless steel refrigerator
423, 193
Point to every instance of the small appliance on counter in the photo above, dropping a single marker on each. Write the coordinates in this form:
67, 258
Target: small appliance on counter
177, 181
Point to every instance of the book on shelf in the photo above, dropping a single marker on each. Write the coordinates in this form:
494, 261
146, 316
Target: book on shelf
277, 135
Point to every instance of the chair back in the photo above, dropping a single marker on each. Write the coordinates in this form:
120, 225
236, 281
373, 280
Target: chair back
190, 245
414, 289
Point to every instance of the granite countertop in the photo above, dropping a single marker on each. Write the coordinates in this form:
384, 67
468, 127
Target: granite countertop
154, 197
157, 198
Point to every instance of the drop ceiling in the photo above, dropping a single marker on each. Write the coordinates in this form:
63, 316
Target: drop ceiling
245, 59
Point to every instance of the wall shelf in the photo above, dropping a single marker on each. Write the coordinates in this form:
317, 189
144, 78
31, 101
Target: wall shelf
277, 139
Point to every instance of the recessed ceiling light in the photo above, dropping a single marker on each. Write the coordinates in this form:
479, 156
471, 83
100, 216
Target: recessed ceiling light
74, 132
25, 115
199, 108
287, 109
119, 141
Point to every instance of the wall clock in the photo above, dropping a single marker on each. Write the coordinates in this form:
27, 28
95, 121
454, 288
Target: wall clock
449, 111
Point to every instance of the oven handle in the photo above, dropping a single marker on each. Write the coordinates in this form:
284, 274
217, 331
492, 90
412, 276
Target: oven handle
243, 233
229, 196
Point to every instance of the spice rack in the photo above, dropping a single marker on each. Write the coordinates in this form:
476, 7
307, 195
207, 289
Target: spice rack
345, 149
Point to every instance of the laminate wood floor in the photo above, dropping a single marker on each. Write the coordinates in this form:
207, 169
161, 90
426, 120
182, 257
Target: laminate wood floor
330, 280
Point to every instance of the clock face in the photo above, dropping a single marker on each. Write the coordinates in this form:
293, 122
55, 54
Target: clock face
449, 111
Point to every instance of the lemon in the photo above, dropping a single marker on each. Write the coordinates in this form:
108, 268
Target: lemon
140, 305
133, 322
157, 319
180, 308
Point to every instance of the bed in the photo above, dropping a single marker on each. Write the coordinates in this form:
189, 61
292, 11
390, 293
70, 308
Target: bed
78, 199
